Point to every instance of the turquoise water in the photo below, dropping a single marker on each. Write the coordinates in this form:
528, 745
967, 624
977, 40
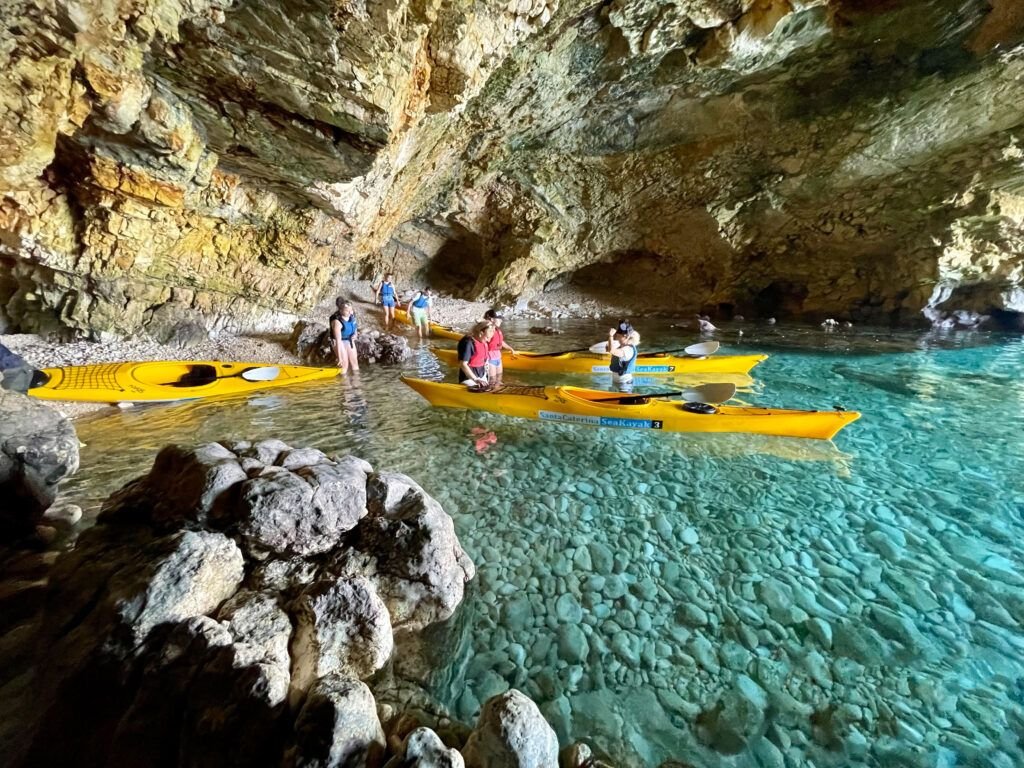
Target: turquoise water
723, 600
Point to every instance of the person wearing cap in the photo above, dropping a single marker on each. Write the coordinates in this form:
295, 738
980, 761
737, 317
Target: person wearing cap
473, 353
622, 341
494, 347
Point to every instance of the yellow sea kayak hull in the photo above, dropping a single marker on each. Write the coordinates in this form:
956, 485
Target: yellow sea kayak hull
590, 362
165, 381
575, 405
440, 331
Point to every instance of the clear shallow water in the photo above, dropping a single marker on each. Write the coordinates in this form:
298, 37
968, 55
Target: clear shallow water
717, 599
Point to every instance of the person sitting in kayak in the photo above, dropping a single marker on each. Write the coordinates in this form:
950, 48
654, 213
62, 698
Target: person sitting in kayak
343, 336
473, 354
494, 346
622, 342
387, 297
419, 311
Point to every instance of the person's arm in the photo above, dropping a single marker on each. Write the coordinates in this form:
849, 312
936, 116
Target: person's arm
505, 345
336, 339
355, 330
430, 303
408, 307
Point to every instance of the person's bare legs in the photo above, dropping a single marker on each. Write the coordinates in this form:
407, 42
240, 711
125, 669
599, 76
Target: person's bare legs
353, 359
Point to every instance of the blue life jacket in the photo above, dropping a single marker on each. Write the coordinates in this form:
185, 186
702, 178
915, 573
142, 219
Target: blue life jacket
387, 291
421, 301
621, 367
348, 327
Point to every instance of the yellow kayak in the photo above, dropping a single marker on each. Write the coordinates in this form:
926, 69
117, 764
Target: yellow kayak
591, 407
655, 364
166, 381
440, 331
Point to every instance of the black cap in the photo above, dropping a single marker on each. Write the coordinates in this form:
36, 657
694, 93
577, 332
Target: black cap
493, 314
625, 328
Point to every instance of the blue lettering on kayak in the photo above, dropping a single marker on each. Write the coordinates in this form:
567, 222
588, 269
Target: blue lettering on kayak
638, 369
600, 421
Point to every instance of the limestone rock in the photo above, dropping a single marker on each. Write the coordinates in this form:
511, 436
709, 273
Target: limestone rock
511, 733
340, 626
302, 512
38, 449
412, 552
423, 748
337, 726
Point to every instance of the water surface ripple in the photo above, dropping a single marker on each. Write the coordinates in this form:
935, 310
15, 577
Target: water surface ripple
724, 600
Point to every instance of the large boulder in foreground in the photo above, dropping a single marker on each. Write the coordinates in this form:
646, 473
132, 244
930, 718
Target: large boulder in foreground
221, 595
38, 449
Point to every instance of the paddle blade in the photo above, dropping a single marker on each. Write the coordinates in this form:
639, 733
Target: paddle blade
261, 374
600, 347
702, 350
709, 393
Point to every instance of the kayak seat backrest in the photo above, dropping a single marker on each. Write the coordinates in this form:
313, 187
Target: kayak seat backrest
197, 376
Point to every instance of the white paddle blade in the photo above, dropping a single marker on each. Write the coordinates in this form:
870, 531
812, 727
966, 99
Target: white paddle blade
703, 349
261, 374
709, 393
602, 346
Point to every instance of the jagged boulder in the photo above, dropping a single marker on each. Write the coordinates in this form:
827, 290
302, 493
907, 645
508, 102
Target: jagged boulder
511, 733
38, 449
196, 669
408, 545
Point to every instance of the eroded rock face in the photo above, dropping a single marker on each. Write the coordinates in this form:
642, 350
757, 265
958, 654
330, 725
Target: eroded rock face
186, 169
38, 449
211, 610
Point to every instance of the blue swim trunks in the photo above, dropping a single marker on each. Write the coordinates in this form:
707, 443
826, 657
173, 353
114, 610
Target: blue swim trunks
387, 302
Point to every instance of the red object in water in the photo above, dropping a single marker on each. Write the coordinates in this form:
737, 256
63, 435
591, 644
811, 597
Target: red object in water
484, 438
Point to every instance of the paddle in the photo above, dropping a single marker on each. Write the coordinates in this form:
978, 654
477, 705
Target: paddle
694, 350
705, 393
201, 375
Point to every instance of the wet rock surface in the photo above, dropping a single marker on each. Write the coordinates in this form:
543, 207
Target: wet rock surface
311, 341
38, 449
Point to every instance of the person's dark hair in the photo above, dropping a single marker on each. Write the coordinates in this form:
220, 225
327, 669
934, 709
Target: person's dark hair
339, 302
625, 328
493, 314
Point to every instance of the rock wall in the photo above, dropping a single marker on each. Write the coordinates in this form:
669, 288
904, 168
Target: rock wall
219, 164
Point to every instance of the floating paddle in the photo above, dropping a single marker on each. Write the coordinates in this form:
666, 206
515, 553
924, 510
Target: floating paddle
201, 375
705, 393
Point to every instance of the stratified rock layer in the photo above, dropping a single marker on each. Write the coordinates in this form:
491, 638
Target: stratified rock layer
183, 169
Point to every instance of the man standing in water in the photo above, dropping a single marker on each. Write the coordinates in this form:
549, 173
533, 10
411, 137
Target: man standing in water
622, 341
387, 297
419, 312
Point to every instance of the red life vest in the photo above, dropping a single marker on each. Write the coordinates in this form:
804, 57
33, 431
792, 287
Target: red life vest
479, 357
496, 341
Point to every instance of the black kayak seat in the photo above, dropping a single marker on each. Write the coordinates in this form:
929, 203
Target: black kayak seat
197, 376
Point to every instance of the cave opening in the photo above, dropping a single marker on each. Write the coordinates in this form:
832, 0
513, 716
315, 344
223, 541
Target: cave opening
781, 297
458, 263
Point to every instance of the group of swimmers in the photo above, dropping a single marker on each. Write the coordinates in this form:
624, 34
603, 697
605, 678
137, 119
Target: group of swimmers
479, 351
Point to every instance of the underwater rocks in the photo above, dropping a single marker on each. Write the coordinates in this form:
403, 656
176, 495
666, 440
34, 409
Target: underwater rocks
38, 449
